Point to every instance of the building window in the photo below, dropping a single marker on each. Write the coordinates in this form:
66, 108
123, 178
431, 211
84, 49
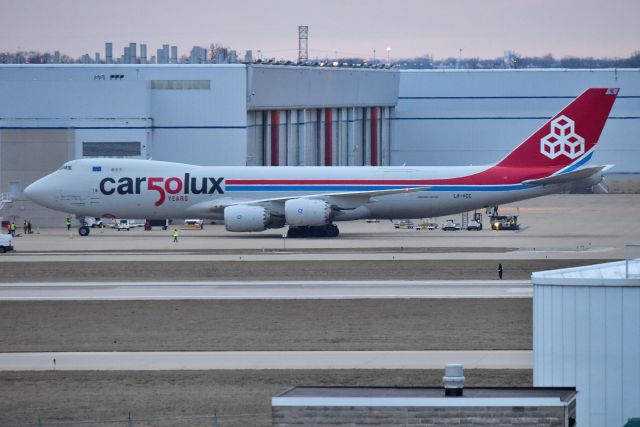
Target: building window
111, 149
14, 190
181, 84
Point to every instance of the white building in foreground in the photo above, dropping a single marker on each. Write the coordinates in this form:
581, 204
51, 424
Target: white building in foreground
586, 334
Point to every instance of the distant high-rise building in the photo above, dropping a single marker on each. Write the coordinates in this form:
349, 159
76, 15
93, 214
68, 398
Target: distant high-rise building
233, 57
174, 54
198, 55
248, 56
143, 53
56, 57
223, 56
97, 58
152, 60
163, 55
126, 57
133, 54
108, 52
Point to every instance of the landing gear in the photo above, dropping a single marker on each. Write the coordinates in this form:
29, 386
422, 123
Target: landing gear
84, 230
328, 230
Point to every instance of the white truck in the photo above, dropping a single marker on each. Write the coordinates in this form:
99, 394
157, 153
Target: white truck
123, 224
450, 225
6, 244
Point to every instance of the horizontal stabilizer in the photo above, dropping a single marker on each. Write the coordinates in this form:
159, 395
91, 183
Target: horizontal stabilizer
575, 175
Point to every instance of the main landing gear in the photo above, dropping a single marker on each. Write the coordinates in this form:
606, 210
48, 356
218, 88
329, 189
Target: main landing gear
328, 230
84, 230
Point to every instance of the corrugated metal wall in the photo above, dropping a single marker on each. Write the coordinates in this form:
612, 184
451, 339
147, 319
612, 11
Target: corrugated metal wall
589, 337
462, 117
347, 136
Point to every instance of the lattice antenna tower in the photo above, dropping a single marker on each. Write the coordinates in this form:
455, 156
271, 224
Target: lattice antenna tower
303, 43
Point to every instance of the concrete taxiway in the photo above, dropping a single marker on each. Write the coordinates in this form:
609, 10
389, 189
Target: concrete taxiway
553, 227
266, 290
140, 361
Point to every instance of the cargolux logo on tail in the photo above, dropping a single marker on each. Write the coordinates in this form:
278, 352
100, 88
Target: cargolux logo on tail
563, 139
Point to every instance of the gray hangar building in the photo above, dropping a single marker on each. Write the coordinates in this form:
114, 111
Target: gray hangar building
287, 115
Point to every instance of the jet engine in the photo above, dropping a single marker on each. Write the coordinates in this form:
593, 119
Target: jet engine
307, 212
250, 218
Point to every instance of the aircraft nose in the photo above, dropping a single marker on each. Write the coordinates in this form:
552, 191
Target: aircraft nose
36, 192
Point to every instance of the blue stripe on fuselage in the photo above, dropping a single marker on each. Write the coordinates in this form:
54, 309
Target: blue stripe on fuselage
576, 165
359, 188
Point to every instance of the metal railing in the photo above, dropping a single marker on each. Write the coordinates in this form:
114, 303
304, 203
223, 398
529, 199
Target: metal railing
4, 199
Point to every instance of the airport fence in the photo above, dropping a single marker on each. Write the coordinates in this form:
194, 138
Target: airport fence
215, 420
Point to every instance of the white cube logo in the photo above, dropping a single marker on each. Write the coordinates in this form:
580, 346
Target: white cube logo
562, 140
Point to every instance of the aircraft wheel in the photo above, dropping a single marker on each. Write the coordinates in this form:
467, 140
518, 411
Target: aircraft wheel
293, 232
84, 231
332, 230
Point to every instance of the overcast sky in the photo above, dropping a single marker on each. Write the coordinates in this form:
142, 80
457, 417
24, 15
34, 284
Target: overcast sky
482, 28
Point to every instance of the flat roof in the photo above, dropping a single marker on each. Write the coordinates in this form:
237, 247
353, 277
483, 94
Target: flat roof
425, 396
619, 273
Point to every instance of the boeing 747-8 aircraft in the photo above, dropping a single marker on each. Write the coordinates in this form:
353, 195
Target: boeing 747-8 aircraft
311, 199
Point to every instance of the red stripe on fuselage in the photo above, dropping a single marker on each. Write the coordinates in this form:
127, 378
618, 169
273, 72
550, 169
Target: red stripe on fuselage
493, 176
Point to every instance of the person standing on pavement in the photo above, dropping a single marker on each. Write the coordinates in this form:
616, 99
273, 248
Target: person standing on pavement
68, 223
13, 229
175, 235
500, 271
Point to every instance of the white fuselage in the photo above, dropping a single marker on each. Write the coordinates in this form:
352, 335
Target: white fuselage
155, 190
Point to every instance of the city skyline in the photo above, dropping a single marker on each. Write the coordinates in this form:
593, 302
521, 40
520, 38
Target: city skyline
411, 28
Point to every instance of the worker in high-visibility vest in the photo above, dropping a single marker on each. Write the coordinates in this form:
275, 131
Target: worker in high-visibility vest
175, 235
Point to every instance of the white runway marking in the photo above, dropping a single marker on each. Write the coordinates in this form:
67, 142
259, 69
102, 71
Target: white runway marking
265, 290
264, 360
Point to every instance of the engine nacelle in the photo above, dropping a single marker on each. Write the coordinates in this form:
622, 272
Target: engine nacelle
246, 218
307, 212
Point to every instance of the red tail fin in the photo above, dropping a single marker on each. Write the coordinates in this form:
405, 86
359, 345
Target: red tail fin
569, 136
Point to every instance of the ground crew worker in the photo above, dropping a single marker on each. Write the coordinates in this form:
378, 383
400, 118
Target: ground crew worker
175, 235
68, 224
13, 229
500, 271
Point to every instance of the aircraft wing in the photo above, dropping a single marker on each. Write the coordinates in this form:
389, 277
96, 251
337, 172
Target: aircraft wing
342, 200
562, 178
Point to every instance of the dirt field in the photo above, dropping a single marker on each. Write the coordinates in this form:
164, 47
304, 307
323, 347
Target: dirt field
278, 270
189, 398
241, 398
371, 324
